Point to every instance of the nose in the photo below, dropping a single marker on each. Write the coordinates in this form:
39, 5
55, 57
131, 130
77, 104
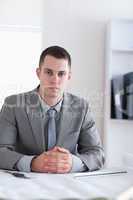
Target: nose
55, 78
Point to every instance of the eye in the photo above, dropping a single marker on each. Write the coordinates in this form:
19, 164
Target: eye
61, 73
48, 72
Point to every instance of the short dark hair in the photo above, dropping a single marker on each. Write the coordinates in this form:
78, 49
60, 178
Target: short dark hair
57, 52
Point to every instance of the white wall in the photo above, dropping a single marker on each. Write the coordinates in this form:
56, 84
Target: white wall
79, 26
21, 12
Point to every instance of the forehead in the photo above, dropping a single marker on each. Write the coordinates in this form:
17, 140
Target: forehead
55, 64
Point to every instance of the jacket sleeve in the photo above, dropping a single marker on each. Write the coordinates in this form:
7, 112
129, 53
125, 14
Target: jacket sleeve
8, 137
90, 149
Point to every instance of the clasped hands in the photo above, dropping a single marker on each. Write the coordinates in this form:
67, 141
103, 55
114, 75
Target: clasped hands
56, 160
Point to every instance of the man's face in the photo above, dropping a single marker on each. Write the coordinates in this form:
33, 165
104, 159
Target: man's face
53, 74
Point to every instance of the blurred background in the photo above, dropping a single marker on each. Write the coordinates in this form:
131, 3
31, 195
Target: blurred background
85, 29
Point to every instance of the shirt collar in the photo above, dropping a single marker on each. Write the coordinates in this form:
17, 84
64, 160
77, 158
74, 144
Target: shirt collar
46, 107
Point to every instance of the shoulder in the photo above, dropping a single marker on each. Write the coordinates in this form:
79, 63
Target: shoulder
76, 100
17, 99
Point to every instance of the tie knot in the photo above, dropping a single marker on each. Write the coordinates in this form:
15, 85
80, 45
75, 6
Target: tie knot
51, 112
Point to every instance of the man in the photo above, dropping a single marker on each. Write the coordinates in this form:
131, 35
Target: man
32, 140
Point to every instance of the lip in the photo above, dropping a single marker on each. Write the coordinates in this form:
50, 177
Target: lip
53, 88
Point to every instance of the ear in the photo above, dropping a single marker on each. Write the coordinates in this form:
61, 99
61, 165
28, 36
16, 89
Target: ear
38, 72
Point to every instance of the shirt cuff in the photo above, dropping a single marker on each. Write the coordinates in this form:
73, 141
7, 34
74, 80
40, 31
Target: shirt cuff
24, 164
77, 164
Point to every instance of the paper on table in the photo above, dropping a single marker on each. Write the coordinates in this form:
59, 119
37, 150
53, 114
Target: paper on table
42, 186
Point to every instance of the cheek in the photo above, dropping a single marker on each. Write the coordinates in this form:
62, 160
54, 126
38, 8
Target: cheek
43, 78
64, 81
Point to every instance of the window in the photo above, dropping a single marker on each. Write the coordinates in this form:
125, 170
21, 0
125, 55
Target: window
20, 48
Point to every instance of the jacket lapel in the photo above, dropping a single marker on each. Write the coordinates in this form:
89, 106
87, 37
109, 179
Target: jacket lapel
34, 113
65, 120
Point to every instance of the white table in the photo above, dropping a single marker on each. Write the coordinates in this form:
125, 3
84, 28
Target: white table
110, 185
57, 186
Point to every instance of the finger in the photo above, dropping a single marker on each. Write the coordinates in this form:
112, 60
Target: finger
56, 169
63, 150
50, 169
60, 149
64, 153
60, 168
61, 157
57, 163
57, 155
54, 160
55, 148
63, 168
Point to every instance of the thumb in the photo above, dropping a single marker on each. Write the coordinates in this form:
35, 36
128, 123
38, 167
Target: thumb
63, 150
55, 148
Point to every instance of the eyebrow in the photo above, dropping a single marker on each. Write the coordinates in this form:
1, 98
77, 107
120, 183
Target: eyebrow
53, 70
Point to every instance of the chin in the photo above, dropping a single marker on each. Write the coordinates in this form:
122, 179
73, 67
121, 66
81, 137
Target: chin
57, 95
53, 94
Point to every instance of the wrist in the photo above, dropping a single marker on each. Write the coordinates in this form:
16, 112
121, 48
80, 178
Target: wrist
32, 165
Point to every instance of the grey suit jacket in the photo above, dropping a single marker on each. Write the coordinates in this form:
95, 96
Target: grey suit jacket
22, 131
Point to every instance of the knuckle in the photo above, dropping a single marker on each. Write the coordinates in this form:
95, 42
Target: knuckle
58, 170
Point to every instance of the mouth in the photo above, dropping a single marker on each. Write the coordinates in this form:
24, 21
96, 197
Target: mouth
54, 88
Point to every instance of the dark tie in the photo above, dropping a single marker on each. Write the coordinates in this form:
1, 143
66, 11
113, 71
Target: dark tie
51, 128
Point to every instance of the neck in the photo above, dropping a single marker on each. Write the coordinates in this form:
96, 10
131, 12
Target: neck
51, 101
